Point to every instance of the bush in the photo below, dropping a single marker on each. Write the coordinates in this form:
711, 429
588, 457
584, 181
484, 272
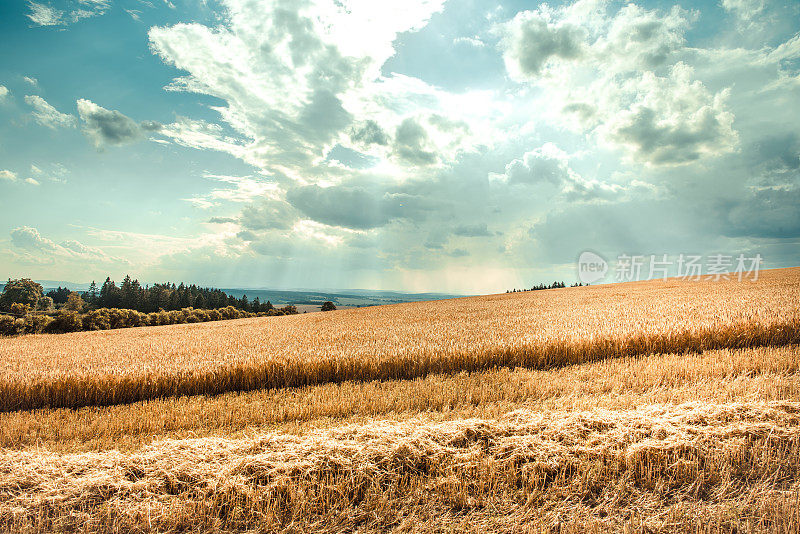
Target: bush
11, 326
74, 303
64, 322
44, 304
19, 309
97, 320
111, 318
37, 323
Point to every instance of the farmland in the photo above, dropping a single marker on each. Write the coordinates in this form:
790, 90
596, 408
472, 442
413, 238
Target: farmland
648, 406
404, 341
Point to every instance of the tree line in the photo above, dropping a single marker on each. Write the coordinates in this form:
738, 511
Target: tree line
539, 287
28, 310
131, 295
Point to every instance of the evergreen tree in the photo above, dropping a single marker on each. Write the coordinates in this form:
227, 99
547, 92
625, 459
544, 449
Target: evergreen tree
91, 294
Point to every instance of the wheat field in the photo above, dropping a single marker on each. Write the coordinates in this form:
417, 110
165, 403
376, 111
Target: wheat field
691, 442
660, 407
539, 329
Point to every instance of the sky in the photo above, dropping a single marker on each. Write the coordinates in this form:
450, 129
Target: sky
420, 145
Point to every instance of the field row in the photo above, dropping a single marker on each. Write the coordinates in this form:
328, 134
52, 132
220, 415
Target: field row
535, 330
722, 376
110, 389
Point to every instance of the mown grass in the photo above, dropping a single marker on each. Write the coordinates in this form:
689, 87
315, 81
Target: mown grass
537, 330
691, 467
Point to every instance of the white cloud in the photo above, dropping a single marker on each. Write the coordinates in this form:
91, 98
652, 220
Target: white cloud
672, 120
8, 176
638, 38
240, 189
47, 115
546, 164
268, 214
745, 10
549, 165
535, 38
470, 41
204, 135
55, 172
148, 249
4, 93
29, 238
294, 77
31, 181
46, 15
621, 76
30, 247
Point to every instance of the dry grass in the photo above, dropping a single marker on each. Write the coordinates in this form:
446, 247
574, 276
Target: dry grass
694, 467
723, 376
535, 330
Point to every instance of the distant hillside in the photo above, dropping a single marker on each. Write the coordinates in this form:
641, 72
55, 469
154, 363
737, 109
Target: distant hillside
345, 297
355, 297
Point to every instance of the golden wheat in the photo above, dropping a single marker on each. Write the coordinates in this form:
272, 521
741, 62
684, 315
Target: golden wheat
722, 376
534, 330
695, 441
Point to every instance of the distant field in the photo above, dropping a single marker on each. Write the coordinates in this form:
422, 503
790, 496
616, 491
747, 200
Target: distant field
537, 330
647, 407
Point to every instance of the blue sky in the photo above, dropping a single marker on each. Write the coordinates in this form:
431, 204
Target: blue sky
424, 145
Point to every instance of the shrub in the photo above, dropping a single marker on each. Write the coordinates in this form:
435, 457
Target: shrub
97, 320
44, 304
111, 318
11, 326
20, 310
74, 303
65, 322
36, 323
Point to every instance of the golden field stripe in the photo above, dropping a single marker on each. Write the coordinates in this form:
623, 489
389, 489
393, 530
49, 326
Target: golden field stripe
104, 390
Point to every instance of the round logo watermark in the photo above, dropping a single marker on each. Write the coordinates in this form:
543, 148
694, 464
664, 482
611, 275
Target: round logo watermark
591, 267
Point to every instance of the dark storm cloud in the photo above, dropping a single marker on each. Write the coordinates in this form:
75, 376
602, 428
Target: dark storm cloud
672, 143
769, 213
